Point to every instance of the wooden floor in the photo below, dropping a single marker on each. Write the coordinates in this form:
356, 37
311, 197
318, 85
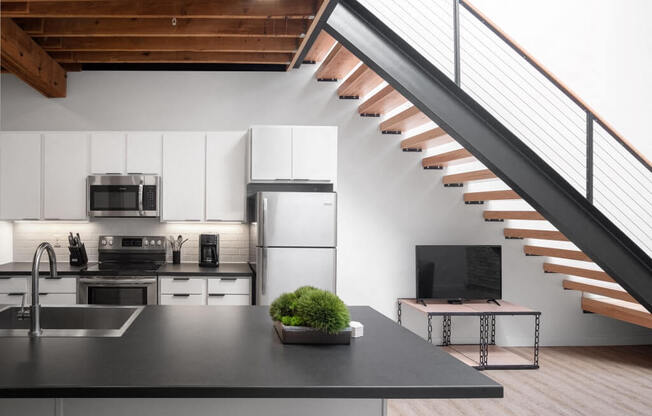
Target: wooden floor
587, 381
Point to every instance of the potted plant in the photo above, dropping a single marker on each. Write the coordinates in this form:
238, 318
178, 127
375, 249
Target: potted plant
311, 316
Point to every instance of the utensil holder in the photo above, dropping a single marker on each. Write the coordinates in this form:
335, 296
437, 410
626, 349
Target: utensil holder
176, 257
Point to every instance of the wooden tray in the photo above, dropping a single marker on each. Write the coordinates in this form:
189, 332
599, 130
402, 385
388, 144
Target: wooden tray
307, 335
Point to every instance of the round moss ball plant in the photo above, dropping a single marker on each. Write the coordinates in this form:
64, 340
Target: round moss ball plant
308, 306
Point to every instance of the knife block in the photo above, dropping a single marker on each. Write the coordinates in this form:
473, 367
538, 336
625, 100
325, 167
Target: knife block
78, 256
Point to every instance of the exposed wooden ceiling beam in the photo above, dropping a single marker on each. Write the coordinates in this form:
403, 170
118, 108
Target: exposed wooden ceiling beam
251, 9
20, 55
228, 44
106, 27
172, 57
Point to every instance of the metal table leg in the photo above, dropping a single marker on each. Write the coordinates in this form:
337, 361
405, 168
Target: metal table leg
537, 319
446, 330
493, 330
430, 329
398, 312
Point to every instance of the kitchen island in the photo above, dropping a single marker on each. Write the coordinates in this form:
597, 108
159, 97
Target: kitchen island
198, 360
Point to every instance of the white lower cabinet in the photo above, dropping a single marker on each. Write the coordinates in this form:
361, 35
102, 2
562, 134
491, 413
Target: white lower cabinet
205, 290
182, 299
62, 291
224, 299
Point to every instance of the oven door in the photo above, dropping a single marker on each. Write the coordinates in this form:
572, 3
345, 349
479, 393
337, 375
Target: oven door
128, 291
123, 196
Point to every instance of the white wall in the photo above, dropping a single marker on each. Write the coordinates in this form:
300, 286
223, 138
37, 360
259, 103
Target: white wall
387, 203
6, 246
601, 49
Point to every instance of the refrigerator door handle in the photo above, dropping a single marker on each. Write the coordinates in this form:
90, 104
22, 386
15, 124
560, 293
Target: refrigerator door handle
263, 274
263, 222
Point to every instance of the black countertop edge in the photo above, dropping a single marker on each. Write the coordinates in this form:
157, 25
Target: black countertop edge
296, 392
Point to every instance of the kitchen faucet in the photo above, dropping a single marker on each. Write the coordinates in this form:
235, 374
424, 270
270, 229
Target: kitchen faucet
35, 310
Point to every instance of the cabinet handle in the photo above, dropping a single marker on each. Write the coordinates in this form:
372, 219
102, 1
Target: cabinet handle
29, 219
16, 294
217, 294
43, 294
229, 279
180, 278
181, 295
6, 277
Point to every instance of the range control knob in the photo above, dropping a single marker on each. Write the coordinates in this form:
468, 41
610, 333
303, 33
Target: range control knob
111, 242
151, 242
158, 243
146, 243
103, 242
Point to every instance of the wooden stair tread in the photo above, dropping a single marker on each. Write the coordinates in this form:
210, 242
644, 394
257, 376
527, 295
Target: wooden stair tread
538, 234
490, 196
555, 252
405, 120
447, 159
512, 215
382, 102
598, 290
359, 83
475, 175
320, 48
619, 309
337, 64
426, 140
577, 271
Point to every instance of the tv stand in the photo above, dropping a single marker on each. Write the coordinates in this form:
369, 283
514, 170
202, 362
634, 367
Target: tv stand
486, 311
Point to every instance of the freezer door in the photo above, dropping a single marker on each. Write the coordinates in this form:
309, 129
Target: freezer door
281, 270
297, 219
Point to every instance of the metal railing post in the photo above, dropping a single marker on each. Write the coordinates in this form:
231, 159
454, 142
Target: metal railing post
589, 156
456, 41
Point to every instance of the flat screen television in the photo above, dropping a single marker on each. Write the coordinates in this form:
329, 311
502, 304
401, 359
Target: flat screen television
456, 273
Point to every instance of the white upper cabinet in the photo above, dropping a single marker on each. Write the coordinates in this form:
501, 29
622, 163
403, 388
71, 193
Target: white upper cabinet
65, 168
270, 153
225, 175
314, 153
144, 153
20, 176
184, 159
108, 153
293, 153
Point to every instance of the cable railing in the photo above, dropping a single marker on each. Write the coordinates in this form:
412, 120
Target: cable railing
545, 114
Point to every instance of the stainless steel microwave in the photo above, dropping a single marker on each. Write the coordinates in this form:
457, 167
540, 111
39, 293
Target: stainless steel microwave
123, 196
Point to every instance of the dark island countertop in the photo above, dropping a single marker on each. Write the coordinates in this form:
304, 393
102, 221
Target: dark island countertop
233, 351
92, 269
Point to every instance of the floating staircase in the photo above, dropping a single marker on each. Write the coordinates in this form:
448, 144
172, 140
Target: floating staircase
417, 132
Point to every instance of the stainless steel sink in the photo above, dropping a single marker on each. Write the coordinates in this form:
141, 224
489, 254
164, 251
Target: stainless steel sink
71, 321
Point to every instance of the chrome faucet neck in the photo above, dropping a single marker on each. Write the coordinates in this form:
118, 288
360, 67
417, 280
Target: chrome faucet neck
35, 315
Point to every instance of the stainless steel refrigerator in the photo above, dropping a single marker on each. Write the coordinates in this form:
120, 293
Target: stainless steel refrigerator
296, 235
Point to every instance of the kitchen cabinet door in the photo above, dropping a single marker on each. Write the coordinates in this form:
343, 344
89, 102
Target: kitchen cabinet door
184, 159
65, 169
225, 175
108, 153
144, 153
314, 153
270, 153
20, 176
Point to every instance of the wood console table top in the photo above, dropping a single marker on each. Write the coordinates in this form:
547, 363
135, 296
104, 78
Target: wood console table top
471, 307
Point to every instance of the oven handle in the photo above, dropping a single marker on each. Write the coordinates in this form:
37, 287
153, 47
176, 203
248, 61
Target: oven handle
140, 199
115, 281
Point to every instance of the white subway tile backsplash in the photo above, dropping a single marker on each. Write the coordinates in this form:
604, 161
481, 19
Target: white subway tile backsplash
234, 238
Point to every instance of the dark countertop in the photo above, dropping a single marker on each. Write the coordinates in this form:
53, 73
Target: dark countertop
189, 269
169, 269
25, 268
233, 351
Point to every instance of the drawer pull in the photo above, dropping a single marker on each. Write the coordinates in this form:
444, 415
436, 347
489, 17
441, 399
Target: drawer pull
43, 294
180, 278
6, 277
229, 279
181, 295
16, 294
217, 294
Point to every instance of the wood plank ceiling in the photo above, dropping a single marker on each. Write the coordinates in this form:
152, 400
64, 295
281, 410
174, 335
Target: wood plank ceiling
151, 34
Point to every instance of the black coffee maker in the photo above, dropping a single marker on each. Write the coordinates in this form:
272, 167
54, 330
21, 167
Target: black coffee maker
209, 247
